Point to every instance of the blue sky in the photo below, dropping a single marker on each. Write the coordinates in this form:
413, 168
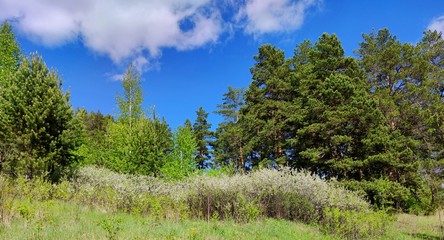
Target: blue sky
190, 51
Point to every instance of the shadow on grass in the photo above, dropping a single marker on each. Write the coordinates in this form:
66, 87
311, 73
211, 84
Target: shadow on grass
427, 236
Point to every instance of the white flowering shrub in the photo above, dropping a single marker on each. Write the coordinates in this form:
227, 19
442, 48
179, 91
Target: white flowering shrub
285, 194
281, 194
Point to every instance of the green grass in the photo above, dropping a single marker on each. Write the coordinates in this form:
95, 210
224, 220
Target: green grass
58, 220
408, 226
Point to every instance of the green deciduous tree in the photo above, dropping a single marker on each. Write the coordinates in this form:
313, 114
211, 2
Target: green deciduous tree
181, 161
136, 143
130, 103
95, 126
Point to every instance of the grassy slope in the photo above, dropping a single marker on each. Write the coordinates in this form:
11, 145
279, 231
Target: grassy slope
57, 220
68, 221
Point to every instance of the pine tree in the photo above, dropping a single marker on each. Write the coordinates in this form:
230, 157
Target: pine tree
431, 94
42, 133
9, 62
9, 52
229, 144
95, 126
265, 116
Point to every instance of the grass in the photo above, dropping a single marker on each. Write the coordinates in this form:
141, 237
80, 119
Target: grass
61, 220
408, 226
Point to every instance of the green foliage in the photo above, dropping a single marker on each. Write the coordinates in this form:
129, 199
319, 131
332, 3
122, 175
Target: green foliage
202, 133
265, 117
351, 224
180, 162
130, 104
136, 143
229, 144
112, 226
383, 193
41, 131
140, 148
378, 117
94, 133
9, 52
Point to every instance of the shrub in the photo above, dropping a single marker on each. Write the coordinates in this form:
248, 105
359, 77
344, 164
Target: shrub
352, 224
112, 226
383, 193
285, 194
280, 194
7, 197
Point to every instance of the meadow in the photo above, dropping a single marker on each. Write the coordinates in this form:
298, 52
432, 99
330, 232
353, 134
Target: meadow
266, 204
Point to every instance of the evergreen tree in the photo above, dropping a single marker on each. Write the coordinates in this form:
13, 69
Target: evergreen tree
229, 144
9, 52
9, 62
202, 133
188, 124
335, 113
41, 131
265, 116
431, 52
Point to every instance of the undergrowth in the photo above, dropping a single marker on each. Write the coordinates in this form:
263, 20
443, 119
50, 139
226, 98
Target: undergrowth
284, 194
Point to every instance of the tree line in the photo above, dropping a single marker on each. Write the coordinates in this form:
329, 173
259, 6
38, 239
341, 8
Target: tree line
372, 123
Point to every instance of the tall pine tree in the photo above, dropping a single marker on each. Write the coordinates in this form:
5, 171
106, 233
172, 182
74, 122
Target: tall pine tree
265, 116
229, 143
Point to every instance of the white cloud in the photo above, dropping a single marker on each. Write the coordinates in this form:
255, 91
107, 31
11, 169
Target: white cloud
266, 16
437, 24
137, 30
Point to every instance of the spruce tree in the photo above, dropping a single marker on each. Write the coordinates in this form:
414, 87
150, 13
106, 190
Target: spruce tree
202, 133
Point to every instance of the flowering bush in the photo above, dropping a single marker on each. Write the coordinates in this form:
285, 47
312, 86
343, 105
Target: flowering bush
285, 194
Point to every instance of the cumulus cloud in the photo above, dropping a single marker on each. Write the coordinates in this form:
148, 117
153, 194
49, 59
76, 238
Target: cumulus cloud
266, 16
138, 30
437, 24
118, 28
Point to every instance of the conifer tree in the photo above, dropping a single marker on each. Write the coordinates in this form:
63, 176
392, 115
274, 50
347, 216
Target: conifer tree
41, 131
229, 143
9, 52
202, 133
265, 116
